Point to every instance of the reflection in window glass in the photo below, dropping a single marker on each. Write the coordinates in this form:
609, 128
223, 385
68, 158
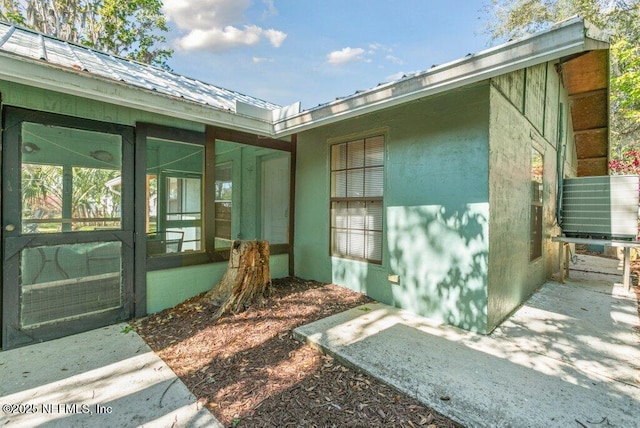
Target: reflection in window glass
174, 197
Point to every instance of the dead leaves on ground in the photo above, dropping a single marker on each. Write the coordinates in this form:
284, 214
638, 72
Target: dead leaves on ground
249, 371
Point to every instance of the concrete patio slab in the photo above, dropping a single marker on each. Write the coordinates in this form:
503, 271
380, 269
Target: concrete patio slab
107, 377
569, 357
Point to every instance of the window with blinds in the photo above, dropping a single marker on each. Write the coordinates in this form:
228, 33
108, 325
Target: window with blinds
357, 182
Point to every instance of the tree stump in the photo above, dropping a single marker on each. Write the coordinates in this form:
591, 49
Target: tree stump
247, 280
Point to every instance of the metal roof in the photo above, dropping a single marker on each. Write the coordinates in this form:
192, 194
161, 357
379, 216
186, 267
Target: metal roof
32, 58
36, 46
566, 39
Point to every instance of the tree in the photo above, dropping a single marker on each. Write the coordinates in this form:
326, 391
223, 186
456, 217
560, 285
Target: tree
621, 18
129, 28
43, 194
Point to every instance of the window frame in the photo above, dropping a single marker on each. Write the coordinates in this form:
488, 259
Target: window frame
207, 253
225, 164
357, 199
206, 138
536, 209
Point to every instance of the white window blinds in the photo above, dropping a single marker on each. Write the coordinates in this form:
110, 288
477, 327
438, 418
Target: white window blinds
357, 184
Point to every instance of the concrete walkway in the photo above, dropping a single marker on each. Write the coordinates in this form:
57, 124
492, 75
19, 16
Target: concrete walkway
102, 378
569, 357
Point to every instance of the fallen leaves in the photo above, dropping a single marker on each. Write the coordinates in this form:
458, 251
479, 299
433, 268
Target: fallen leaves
249, 371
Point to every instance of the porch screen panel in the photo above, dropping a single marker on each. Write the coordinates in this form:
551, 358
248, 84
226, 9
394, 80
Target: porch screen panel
71, 179
357, 183
64, 282
175, 172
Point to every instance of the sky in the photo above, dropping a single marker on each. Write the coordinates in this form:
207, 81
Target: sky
315, 51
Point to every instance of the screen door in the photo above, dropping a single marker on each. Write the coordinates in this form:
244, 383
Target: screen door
67, 225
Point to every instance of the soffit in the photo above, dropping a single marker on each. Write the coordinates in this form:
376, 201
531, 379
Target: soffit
586, 78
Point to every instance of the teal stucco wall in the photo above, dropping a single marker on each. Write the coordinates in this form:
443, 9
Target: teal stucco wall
436, 207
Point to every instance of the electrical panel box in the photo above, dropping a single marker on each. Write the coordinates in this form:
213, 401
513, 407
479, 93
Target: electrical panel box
603, 207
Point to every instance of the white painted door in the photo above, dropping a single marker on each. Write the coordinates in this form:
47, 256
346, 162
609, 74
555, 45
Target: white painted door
275, 200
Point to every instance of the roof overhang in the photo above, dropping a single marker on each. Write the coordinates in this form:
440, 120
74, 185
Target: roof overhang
566, 39
582, 48
586, 78
44, 75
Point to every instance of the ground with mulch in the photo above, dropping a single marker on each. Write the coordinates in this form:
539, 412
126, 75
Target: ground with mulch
250, 371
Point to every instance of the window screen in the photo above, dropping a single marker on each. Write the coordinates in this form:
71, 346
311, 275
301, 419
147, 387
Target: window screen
357, 183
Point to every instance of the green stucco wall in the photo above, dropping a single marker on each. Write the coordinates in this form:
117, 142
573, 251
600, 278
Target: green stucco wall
166, 288
520, 121
436, 212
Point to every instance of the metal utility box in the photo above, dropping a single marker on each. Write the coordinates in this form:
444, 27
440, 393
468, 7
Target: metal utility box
603, 207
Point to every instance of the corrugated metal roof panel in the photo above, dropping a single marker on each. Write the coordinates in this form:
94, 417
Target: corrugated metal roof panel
33, 45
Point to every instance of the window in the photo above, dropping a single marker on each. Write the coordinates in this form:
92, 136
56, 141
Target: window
537, 190
174, 197
201, 190
357, 182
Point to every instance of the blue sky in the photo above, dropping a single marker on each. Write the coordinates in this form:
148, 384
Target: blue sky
316, 50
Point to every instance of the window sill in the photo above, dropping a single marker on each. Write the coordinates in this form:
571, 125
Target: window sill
172, 261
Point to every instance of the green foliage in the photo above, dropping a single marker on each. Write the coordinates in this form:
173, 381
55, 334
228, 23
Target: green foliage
42, 192
621, 18
130, 28
626, 84
515, 18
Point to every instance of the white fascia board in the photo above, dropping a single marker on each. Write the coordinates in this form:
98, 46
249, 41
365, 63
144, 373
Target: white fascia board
47, 76
253, 111
266, 114
567, 38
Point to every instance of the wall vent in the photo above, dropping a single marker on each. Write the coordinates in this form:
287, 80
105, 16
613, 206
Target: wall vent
603, 207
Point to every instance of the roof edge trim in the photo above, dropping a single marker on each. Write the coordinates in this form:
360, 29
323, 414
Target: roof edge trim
566, 38
40, 74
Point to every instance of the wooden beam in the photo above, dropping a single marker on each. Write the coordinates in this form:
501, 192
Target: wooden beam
593, 166
210, 189
590, 111
592, 143
250, 139
587, 72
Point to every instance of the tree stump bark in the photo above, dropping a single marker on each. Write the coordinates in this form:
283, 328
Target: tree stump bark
247, 280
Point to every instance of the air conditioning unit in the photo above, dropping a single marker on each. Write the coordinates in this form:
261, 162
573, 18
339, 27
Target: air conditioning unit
603, 207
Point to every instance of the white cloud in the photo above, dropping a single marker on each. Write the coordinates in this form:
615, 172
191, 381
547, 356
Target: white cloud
394, 59
217, 25
258, 60
271, 9
275, 37
379, 46
345, 55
